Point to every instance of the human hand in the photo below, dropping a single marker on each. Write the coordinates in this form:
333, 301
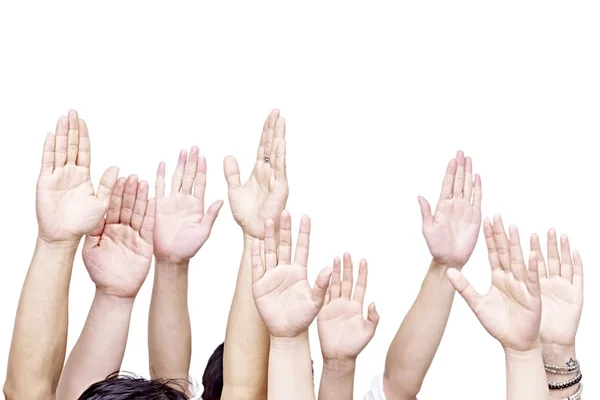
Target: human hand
512, 309
561, 289
284, 299
118, 253
182, 227
265, 193
451, 233
66, 205
343, 332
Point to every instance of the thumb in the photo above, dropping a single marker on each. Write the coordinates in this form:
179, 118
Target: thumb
107, 185
211, 215
93, 238
462, 286
232, 172
320, 289
372, 319
425, 211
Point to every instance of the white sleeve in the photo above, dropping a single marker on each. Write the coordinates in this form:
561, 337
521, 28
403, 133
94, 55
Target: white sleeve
376, 391
195, 389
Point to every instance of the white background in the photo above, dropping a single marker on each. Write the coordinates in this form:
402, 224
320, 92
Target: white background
378, 97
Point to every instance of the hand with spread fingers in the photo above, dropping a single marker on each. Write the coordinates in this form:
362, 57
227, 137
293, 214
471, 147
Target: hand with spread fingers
343, 331
118, 253
512, 309
265, 193
182, 226
451, 232
284, 299
67, 207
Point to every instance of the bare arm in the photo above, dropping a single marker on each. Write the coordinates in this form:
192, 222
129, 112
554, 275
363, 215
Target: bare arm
290, 372
525, 376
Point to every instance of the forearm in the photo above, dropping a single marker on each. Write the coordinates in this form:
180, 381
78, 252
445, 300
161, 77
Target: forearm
290, 369
246, 350
337, 380
525, 375
39, 341
169, 330
100, 348
559, 356
414, 346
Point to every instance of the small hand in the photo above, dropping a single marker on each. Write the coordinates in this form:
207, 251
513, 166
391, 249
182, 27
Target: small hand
118, 253
182, 227
451, 233
562, 290
512, 309
66, 205
284, 299
265, 193
343, 331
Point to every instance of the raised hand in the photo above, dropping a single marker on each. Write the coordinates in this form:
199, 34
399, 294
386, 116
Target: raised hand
562, 290
66, 205
451, 233
343, 331
512, 309
118, 253
182, 227
265, 193
284, 299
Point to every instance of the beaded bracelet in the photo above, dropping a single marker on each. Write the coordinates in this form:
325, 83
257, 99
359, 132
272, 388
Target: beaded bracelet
571, 367
574, 396
566, 384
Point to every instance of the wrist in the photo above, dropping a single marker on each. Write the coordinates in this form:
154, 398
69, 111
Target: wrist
62, 245
289, 342
557, 354
339, 366
105, 297
523, 356
172, 265
444, 265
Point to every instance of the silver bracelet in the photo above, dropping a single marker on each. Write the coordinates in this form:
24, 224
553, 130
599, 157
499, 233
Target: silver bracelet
571, 367
574, 396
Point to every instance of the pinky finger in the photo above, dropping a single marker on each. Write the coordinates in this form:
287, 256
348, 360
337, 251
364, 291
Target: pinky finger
48, 156
147, 230
577, 270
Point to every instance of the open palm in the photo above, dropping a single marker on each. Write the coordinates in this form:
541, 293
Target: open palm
284, 299
343, 331
118, 253
265, 193
66, 205
451, 232
511, 310
182, 227
561, 285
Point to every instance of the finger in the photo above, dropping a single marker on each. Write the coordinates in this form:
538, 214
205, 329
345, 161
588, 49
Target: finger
320, 288
270, 255
92, 239
534, 246
336, 279
372, 320
459, 177
189, 172
128, 199
258, 269
463, 287
260, 155
502, 244
114, 211
139, 209
72, 137
533, 276
301, 256
477, 193
285, 238
48, 155
328, 295
232, 172
517, 262
177, 179
106, 186
425, 211
61, 139
278, 136
159, 186
200, 181
490, 241
208, 220
147, 230
448, 182
270, 131
84, 153
553, 258
348, 279
361, 282
577, 270
468, 187
566, 263
280, 171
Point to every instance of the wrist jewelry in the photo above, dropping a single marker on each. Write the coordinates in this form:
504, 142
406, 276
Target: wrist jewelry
574, 396
566, 384
570, 367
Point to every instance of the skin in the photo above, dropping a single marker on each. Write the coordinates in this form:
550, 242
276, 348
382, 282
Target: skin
67, 209
117, 255
451, 234
182, 228
288, 305
511, 311
343, 331
262, 197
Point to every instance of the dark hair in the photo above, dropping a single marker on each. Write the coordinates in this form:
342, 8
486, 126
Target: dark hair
212, 380
131, 387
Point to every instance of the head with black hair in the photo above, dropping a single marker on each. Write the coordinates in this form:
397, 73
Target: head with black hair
130, 387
